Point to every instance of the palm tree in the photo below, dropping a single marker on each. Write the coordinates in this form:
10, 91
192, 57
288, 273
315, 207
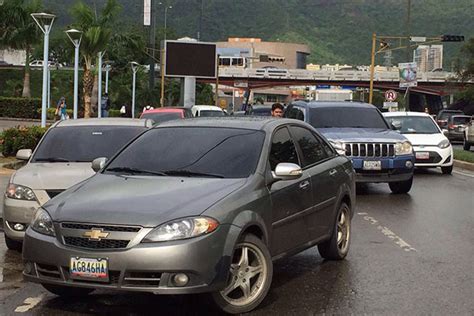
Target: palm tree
18, 31
97, 31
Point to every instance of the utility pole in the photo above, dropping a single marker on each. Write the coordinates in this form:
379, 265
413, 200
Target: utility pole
372, 68
200, 22
152, 44
408, 52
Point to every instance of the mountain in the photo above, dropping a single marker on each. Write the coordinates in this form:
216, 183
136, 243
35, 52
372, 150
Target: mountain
338, 31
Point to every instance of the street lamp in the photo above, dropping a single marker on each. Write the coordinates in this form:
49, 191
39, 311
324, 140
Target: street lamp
166, 12
75, 36
135, 67
107, 69
99, 84
45, 22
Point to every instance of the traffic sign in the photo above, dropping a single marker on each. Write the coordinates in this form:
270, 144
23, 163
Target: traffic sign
390, 95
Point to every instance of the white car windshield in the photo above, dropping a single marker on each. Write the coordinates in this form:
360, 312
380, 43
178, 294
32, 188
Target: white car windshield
413, 124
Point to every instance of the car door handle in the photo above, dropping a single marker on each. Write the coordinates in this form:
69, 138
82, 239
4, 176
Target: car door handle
304, 185
332, 172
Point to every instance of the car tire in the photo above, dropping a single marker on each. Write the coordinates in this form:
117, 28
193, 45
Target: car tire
401, 187
337, 247
447, 170
466, 145
66, 291
251, 273
13, 244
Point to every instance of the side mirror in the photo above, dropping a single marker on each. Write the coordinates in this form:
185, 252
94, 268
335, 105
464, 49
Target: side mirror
396, 126
445, 132
287, 171
23, 154
98, 163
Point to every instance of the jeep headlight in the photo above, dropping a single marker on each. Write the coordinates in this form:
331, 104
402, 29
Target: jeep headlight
338, 146
444, 144
404, 148
19, 192
42, 223
182, 229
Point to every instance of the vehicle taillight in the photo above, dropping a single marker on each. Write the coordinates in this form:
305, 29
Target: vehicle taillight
451, 126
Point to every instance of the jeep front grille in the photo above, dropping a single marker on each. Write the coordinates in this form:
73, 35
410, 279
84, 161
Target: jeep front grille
370, 150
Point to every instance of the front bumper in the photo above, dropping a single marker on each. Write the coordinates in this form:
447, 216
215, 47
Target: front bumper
147, 267
438, 157
394, 169
17, 211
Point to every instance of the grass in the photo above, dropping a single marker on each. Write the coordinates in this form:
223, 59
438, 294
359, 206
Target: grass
464, 155
7, 159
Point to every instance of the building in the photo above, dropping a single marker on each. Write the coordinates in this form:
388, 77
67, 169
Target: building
261, 54
13, 57
428, 58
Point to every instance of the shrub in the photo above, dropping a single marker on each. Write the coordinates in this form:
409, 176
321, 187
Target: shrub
20, 107
14, 139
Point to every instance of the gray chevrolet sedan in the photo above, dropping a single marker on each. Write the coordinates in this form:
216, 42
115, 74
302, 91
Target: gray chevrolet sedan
200, 205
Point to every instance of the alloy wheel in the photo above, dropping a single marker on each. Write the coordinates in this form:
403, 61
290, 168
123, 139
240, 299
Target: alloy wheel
343, 230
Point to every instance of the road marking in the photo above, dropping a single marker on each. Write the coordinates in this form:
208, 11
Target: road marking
29, 303
463, 174
388, 233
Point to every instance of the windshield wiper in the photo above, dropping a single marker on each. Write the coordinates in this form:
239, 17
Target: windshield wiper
53, 159
188, 173
136, 171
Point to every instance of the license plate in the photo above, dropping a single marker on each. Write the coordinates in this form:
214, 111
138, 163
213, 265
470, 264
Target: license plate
422, 155
89, 268
372, 165
461, 129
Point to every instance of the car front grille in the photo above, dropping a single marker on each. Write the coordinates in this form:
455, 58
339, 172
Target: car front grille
53, 193
370, 150
110, 228
93, 244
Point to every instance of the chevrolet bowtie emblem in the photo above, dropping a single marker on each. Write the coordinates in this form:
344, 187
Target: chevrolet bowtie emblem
95, 234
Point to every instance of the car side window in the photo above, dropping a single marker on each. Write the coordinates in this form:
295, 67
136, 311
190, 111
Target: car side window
296, 113
283, 149
311, 147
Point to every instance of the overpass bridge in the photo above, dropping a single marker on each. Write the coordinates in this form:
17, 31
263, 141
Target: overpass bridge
429, 83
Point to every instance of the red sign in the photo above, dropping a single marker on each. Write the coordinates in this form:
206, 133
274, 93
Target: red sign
390, 95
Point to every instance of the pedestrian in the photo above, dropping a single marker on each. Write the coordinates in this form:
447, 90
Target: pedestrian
105, 105
61, 109
277, 110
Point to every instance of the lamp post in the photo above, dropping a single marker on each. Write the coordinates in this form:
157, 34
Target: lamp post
99, 84
45, 22
49, 86
107, 69
135, 66
75, 37
166, 12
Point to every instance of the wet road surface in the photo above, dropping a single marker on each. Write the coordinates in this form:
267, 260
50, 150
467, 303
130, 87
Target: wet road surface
410, 254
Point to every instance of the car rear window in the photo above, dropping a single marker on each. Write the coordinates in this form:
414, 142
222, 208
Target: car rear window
84, 143
461, 120
356, 117
162, 117
211, 113
227, 152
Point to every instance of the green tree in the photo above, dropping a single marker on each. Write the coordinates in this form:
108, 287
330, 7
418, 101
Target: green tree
19, 31
466, 70
97, 32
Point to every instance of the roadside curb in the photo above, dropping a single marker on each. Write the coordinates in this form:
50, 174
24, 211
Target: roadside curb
464, 165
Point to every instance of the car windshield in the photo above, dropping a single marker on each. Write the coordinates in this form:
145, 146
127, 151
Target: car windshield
161, 117
266, 111
192, 151
447, 115
339, 117
83, 143
211, 113
461, 120
413, 124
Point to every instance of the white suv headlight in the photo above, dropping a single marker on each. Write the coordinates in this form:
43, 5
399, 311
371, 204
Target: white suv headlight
182, 229
404, 148
19, 192
444, 144
42, 223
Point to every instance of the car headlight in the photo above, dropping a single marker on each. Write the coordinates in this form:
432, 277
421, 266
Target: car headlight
42, 223
19, 192
339, 147
404, 148
182, 229
444, 144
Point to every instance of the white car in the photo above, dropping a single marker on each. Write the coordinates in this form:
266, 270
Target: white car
207, 110
432, 148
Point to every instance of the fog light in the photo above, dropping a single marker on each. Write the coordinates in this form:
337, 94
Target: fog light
28, 267
180, 279
409, 164
19, 227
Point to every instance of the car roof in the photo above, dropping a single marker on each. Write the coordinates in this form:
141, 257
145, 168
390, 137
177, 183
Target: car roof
169, 109
207, 107
331, 104
455, 116
112, 121
241, 122
408, 113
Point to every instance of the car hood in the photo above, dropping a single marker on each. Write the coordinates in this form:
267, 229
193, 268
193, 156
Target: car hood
138, 200
362, 135
425, 139
52, 176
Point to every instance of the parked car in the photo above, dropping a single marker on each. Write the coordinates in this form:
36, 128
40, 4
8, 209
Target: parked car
358, 130
469, 135
196, 206
456, 127
207, 110
443, 117
260, 110
432, 148
164, 114
62, 158
51, 63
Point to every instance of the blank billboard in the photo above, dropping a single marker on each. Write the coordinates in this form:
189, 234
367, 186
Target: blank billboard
190, 59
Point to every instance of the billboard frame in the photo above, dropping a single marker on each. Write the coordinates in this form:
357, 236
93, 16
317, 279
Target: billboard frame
165, 45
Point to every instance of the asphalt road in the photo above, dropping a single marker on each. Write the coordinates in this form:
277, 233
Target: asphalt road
410, 254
